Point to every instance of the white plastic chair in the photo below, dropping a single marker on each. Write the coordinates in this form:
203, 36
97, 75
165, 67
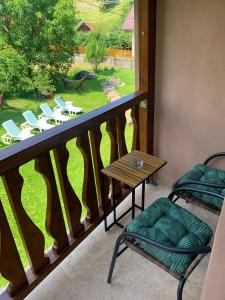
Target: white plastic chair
33, 122
14, 133
67, 106
53, 115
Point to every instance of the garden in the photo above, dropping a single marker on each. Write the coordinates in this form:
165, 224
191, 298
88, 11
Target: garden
33, 68
91, 97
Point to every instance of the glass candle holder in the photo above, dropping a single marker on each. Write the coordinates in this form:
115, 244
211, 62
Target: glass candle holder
137, 164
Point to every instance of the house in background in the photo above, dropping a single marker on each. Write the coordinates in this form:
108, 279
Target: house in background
128, 25
86, 27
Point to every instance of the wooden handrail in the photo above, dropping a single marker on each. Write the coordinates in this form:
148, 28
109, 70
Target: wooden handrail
27, 150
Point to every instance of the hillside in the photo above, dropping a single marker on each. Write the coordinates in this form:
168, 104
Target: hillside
88, 10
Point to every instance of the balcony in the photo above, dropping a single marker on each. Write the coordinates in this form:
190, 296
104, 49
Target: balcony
187, 53
82, 275
86, 131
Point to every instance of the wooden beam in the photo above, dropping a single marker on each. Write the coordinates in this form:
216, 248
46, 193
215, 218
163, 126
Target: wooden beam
145, 24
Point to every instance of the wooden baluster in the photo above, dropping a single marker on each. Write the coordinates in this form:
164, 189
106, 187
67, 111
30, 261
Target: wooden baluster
32, 237
102, 182
11, 266
89, 195
136, 124
121, 125
111, 128
72, 204
55, 225
112, 131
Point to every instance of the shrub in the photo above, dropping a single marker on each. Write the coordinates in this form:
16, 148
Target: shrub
96, 50
119, 40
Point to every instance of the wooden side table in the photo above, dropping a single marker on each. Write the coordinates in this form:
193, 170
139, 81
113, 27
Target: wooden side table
125, 171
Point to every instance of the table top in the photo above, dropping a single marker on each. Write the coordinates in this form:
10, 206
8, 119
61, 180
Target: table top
123, 170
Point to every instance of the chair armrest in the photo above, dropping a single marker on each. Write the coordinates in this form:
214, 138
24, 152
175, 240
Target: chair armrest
188, 189
55, 108
6, 138
69, 102
219, 154
41, 116
25, 125
27, 129
204, 183
192, 251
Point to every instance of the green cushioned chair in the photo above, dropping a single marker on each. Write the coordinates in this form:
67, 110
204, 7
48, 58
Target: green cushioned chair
169, 236
207, 178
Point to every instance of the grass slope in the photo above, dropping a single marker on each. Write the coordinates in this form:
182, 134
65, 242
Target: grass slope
34, 188
105, 21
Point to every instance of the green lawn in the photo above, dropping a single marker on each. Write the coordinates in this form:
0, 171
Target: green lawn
105, 21
34, 189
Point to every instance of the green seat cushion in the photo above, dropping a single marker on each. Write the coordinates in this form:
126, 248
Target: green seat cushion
203, 173
170, 225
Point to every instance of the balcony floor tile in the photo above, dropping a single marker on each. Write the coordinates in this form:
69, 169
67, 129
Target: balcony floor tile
82, 275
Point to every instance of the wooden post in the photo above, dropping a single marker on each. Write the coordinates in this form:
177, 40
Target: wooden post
145, 25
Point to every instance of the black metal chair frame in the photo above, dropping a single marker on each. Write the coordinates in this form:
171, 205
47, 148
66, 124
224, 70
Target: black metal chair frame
131, 241
190, 198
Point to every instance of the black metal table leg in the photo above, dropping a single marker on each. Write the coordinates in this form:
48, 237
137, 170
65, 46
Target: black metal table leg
133, 203
143, 196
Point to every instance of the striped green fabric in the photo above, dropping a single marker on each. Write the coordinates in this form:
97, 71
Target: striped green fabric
173, 226
203, 173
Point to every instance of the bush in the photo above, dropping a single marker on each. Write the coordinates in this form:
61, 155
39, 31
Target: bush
82, 38
119, 40
85, 74
43, 83
116, 40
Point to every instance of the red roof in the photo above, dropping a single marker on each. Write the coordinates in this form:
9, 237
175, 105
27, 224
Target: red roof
129, 22
90, 25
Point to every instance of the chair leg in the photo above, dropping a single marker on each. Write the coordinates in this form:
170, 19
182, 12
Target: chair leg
114, 257
181, 284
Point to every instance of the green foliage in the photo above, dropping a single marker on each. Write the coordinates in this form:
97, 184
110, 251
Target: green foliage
96, 50
13, 72
106, 21
82, 38
119, 40
42, 31
43, 83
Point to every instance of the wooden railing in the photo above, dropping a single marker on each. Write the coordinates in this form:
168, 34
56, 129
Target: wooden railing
86, 130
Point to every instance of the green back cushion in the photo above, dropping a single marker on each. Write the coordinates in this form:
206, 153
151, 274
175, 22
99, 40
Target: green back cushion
206, 174
173, 226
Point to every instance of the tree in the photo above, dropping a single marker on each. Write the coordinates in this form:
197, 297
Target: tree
13, 72
42, 31
42, 83
96, 50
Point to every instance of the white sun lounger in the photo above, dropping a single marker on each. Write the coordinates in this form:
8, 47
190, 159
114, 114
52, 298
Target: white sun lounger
53, 115
67, 106
14, 133
33, 122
